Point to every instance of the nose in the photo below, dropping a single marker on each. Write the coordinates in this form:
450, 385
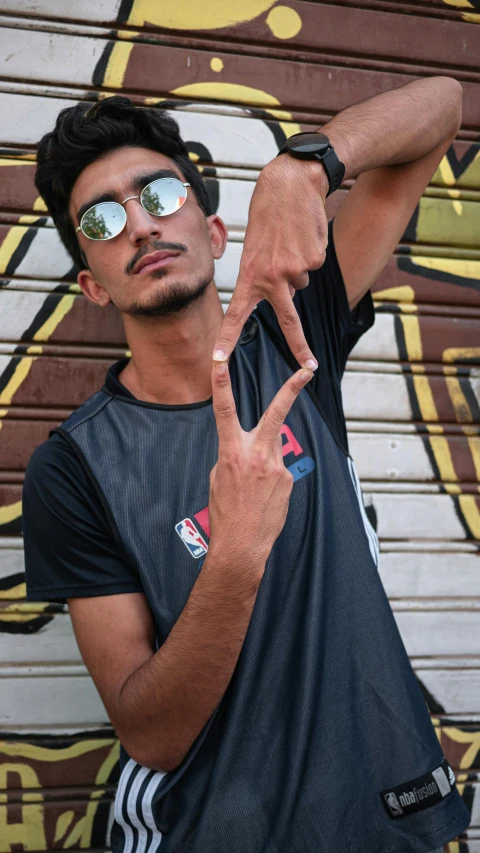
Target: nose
141, 225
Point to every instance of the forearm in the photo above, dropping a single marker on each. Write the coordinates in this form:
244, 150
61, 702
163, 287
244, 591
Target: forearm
397, 126
164, 705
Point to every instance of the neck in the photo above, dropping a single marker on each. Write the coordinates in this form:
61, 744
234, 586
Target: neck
171, 360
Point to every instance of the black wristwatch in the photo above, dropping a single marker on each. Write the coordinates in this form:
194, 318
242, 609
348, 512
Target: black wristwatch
316, 146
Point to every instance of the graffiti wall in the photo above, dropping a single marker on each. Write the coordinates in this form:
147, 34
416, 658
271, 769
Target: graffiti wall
240, 77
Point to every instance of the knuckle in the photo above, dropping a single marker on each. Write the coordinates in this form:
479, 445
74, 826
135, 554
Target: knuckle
317, 259
224, 410
277, 416
289, 320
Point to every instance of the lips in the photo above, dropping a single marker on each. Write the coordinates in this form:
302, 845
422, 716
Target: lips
154, 260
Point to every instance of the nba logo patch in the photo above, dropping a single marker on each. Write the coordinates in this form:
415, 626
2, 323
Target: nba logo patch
191, 538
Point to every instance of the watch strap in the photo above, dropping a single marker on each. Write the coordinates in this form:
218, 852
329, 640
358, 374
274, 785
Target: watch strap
334, 168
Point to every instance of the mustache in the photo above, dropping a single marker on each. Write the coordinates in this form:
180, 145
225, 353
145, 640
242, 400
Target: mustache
155, 246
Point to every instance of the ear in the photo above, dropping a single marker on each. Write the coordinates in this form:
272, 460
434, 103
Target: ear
91, 289
218, 235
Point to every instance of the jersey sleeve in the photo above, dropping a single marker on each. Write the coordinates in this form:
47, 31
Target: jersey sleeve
70, 548
331, 328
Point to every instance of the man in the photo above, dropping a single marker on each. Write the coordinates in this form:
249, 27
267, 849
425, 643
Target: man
222, 582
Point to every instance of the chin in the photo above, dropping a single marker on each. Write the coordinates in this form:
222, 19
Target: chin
165, 302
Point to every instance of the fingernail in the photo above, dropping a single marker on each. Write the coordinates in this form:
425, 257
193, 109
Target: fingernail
306, 375
221, 368
311, 364
219, 355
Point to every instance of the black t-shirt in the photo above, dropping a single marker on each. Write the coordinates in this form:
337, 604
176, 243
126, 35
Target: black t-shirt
71, 548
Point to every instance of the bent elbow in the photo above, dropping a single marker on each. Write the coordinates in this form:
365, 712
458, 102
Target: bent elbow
154, 759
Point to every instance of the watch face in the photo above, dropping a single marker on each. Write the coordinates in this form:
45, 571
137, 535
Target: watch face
308, 143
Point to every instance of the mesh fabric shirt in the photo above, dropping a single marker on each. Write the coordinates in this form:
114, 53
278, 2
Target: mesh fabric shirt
323, 713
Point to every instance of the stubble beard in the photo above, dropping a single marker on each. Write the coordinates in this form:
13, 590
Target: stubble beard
177, 298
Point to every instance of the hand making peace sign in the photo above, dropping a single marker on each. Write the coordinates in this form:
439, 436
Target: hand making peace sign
286, 235
249, 486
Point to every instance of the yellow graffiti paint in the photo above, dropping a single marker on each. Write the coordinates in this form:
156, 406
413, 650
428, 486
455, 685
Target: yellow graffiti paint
16, 617
456, 353
439, 222
29, 831
226, 92
425, 399
216, 64
10, 161
102, 776
472, 738
10, 512
469, 178
117, 65
18, 591
435, 429
444, 173
413, 339
459, 4
34, 350
43, 753
452, 489
443, 458
64, 306
474, 446
239, 94
452, 266
462, 409
284, 23
10, 245
20, 374
185, 15
28, 219
471, 513
396, 294
63, 823
471, 19
39, 205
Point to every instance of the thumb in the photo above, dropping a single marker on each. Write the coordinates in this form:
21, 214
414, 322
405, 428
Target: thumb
234, 320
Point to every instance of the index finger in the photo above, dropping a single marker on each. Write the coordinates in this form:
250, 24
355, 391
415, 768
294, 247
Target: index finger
224, 406
234, 320
291, 326
273, 418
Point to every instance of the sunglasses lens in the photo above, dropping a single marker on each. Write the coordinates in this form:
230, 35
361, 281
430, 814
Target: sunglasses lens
164, 196
103, 221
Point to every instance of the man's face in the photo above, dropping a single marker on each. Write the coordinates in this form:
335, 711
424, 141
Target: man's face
187, 239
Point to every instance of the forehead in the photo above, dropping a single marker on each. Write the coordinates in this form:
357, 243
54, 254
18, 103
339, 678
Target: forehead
115, 171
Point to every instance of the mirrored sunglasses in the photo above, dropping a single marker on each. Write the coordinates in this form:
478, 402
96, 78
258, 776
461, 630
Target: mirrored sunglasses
107, 219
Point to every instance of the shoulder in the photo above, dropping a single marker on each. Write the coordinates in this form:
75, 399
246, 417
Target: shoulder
55, 477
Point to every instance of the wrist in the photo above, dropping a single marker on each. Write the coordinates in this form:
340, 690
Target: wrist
300, 170
234, 563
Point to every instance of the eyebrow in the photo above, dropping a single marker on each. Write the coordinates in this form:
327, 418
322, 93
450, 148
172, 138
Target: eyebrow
137, 184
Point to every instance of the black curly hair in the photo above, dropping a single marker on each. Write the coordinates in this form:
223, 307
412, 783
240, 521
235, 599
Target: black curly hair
84, 133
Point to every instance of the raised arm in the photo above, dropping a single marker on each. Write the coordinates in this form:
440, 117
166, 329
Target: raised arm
159, 702
394, 141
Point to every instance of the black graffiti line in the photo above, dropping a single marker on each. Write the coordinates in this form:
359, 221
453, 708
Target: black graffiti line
457, 166
408, 265
21, 250
12, 580
101, 66
32, 626
41, 317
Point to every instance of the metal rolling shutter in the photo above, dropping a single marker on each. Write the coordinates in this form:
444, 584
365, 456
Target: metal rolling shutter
238, 82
